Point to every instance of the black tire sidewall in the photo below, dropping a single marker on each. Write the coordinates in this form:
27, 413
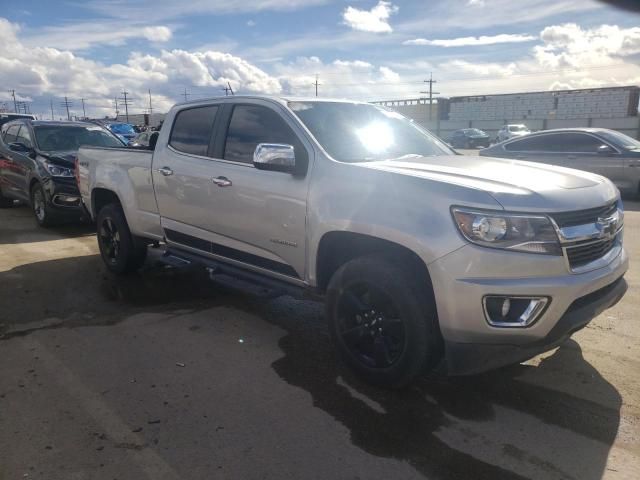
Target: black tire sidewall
417, 314
129, 256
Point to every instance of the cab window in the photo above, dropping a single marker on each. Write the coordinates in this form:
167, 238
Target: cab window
192, 130
254, 124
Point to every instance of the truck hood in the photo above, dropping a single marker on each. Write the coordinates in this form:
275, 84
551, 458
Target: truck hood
515, 184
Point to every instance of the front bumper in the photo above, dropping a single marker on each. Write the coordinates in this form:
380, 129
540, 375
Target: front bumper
469, 358
63, 196
464, 277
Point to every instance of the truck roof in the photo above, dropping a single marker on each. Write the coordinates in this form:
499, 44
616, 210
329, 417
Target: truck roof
279, 98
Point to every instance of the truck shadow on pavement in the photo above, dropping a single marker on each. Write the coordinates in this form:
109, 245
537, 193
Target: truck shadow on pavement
405, 425
444, 428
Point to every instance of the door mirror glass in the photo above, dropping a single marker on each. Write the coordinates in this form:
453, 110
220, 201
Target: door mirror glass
605, 150
19, 147
274, 156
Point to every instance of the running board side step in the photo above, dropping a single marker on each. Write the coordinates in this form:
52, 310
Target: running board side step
234, 277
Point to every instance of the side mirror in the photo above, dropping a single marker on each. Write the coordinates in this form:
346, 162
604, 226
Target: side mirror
19, 147
605, 150
274, 156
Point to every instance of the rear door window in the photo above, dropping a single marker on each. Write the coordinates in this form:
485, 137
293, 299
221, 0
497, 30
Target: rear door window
538, 143
24, 136
254, 124
12, 134
192, 130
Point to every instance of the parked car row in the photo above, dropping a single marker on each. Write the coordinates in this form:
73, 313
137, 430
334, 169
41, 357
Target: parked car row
37, 162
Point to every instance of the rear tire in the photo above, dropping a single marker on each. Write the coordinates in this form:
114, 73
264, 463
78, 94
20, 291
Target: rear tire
120, 253
41, 208
382, 323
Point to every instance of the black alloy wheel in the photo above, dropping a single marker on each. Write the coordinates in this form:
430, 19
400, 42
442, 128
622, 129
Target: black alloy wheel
110, 240
370, 326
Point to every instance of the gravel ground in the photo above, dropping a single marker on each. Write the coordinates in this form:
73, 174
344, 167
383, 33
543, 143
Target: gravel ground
164, 375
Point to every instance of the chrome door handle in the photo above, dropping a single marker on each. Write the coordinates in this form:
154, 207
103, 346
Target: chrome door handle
166, 171
222, 181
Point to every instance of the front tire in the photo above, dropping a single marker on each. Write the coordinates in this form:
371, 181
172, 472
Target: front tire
382, 323
120, 253
41, 208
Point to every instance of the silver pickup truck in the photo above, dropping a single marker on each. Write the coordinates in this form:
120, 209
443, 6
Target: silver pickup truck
425, 259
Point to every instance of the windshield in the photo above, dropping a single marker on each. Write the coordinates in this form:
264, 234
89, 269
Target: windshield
621, 140
518, 128
67, 138
353, 132
122, 129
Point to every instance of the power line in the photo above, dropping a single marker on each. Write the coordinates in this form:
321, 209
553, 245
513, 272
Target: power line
67, 103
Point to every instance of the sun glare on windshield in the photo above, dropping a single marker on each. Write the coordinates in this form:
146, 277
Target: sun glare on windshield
376, 137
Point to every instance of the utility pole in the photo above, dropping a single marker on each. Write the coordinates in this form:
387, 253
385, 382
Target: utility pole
84, 113
51, 103
126, 104
15, 105
316, 84
228, 90
185, 94
115, 103
150, 107
431, 93
67, 104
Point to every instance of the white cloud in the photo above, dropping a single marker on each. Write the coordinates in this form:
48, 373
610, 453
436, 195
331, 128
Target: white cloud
473, 41
375, 20
570, 45
84, 35
251, 23
355, 79
476, 3
157, 34
45, 71
160, 10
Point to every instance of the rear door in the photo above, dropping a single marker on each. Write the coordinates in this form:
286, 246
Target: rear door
24, 163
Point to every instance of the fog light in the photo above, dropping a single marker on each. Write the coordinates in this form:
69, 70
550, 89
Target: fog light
66, 200
513, 311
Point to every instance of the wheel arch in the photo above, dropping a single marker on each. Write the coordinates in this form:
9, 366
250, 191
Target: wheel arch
100, 197
338, 247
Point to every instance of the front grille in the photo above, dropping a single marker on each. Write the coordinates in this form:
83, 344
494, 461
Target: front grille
580, 255
582, 217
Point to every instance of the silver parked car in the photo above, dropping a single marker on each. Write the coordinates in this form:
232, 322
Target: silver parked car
511, 131
606, 152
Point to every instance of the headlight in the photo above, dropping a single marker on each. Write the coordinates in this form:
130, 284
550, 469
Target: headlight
512, 231
58, 171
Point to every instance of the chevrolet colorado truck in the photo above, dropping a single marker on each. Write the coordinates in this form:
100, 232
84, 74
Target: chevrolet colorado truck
426, 260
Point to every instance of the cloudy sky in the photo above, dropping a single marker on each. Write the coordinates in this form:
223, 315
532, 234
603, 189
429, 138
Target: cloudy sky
362, 49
